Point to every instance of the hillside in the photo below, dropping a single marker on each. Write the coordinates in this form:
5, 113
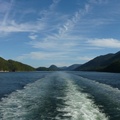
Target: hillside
51, 68
114, 67
11, 65
54, 68
3, 65
72, 67
42, 69
108, 63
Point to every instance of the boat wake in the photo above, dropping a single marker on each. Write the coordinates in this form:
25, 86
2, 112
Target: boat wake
54, 97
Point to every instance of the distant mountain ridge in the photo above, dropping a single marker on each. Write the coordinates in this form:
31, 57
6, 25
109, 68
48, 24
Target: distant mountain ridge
55, 68
105, 63
42, 69
72, 67
51, 68
11, 65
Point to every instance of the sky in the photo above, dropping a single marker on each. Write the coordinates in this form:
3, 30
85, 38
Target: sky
60, 32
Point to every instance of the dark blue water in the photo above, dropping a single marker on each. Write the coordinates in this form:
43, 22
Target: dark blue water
11, 81
60, 96
112, 79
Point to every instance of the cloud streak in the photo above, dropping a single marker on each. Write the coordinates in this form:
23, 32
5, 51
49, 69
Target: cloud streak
13, 27
61, 39
98, 1
44, 55
105, 43
58, 58
8, 10
9, 25
70, 23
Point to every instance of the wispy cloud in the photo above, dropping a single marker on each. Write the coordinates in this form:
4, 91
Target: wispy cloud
57, 58
33, 36
98, 1
54, 45
54, 4
71, 22
9, 24
105, 43
44, 55
7, 9
84, 58
13, 27
61, 39
46, 14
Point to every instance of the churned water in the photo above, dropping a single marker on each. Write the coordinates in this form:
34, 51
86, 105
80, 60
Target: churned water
59, 96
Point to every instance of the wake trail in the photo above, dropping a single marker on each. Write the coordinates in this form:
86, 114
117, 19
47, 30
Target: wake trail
78, 105
55, 97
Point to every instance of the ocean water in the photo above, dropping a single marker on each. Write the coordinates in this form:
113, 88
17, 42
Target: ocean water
59, 96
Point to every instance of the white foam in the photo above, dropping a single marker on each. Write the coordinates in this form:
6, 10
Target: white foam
79, 106
21, 103
112, 94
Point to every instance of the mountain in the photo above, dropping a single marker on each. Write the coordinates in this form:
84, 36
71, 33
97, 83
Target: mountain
11, 65
96, 63
42, 69
72, 67
114, 67
107, 63
18, 66
51, 68
3, 65
63, 68
54, 68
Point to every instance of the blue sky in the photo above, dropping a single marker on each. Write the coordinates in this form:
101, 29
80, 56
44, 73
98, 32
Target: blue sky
60, 32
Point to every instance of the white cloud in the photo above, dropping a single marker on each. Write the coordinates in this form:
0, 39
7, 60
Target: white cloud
98, 1
7, 12
70, 23
105, 43
44, 45
84, 58
62, 39
46, 14
9, 24
12, 26
54, 4
44, 56
33, 36
57, 58
55, 45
